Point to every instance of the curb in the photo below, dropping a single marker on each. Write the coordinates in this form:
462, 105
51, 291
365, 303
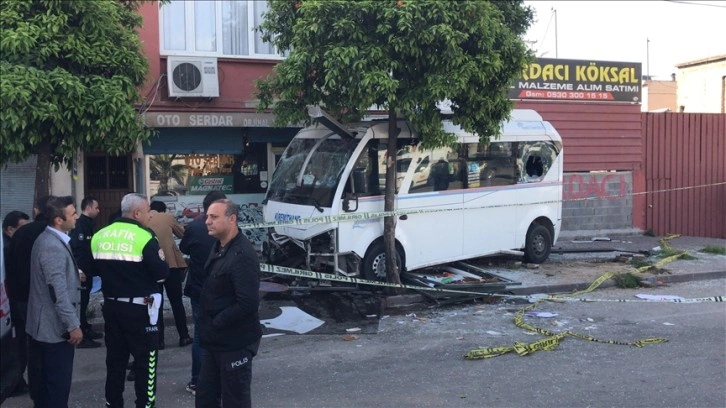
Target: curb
398, 302
683, 277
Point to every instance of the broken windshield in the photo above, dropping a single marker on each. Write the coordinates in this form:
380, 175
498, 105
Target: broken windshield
310, 169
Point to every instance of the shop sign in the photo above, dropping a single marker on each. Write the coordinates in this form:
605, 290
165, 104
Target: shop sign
201, 185
585, 80
223, 119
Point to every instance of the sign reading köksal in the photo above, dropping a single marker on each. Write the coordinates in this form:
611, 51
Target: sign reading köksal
586, 80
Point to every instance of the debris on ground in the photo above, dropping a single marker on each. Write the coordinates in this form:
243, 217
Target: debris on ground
540, 314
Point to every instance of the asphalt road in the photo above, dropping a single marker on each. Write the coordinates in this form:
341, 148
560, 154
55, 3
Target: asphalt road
416, 360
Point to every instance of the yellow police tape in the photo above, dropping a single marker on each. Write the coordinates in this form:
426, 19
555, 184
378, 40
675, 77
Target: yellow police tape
553, 339
304, 273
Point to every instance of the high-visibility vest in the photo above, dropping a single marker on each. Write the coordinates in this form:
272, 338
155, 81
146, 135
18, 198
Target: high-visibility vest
120, 241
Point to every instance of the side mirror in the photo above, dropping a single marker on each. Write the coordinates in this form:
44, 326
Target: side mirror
347, 199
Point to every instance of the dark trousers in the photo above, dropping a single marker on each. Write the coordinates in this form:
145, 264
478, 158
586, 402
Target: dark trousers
19, 313
50, 372
173, 286
226, 374
127, 331
85, 298
197, 350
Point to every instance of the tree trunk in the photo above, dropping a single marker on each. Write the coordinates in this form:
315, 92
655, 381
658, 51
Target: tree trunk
389, 223
42, 171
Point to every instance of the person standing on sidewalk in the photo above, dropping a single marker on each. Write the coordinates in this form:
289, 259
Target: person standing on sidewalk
81, 246
166, 227
53, 326
11, 223
197, 243
18, 281
132, 266
228, 320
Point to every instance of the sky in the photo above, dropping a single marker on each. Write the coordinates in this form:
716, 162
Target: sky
679, 31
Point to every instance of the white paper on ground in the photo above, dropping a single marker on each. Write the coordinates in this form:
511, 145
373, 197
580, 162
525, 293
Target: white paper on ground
293, 319
540, 314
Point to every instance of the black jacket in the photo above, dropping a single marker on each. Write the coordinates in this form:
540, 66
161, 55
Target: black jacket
18, 275
228, 318
81, 245
197, 243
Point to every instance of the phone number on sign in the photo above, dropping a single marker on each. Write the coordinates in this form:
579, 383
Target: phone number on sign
569, 95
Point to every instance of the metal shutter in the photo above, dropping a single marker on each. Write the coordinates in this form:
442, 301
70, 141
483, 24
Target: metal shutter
17, 186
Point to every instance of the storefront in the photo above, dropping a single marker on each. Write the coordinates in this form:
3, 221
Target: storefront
194, 154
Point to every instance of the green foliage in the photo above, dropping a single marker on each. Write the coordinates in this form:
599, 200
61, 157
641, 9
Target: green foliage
70, 72
714, 249
640, 263
162, 168
667, 251
626, 280
401, 55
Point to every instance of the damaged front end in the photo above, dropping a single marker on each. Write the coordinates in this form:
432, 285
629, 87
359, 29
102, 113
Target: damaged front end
319, 253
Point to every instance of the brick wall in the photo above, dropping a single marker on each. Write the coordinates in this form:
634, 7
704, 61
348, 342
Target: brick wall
597, 202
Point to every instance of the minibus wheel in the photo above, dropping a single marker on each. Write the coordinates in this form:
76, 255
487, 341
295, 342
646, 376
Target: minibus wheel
374, 263
538, 245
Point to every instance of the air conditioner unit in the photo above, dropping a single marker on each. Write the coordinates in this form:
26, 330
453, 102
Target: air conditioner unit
192, 77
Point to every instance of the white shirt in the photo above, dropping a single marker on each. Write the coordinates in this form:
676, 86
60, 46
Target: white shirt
66, 239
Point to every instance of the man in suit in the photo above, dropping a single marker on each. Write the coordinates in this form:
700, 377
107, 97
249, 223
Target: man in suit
166, 227
53, 324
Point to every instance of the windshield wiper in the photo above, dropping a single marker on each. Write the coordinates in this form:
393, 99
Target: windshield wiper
317, 205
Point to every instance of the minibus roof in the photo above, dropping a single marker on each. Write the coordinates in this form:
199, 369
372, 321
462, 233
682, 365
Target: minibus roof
522, 122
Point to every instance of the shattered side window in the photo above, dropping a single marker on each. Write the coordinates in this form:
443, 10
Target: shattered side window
535, 159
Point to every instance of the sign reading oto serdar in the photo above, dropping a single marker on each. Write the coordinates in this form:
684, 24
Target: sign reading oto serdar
587, 80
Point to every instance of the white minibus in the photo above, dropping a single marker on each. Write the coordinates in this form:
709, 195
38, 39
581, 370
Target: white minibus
453, 203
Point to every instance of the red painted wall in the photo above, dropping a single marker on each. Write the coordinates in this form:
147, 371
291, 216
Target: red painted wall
604, 136
236, 76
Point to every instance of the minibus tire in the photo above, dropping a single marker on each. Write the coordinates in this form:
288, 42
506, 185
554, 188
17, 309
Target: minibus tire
374, 263
538, 245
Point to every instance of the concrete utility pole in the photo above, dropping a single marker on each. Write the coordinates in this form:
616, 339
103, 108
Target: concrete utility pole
647, 57
557, 54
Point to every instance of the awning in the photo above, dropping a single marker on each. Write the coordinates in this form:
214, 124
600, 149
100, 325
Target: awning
200, 140
196, 140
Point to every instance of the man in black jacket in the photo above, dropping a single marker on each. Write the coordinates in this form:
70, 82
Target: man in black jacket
18, 280
228, 320
197, 243
81, 246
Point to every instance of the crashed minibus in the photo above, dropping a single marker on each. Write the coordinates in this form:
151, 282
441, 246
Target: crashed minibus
453, 203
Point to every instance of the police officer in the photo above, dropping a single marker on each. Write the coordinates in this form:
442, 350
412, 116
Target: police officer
81, 246
131, 265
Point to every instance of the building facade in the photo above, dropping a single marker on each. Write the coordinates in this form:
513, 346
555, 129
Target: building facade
702, 85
